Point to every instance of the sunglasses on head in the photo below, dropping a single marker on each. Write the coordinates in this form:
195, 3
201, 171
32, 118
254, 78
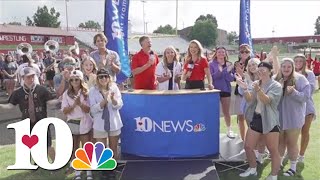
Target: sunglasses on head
103, 76
242, 52
75, 80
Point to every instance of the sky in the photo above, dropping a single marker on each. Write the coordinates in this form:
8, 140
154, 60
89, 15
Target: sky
285, 18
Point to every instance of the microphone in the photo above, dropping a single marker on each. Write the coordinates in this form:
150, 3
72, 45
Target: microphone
151, 55
190, 66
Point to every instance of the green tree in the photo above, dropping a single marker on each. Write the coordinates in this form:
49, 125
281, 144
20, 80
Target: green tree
44, 18
90, 24
232, 36
204, 31
15, 23
167, 29
208, 17
317, 26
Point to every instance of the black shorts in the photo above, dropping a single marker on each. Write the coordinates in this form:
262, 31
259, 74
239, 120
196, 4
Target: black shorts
225, 94
194, 84
49, 138
317, 74
256, 124
50, 75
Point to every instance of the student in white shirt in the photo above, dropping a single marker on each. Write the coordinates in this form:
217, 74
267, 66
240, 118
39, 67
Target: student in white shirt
75, 105
168, 71
105, 103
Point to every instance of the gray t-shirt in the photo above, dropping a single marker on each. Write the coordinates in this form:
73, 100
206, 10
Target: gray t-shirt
110, 55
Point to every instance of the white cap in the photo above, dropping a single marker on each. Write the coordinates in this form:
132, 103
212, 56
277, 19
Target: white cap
76, 73
27, 71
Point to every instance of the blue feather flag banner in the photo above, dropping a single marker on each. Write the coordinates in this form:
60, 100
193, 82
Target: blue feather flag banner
245, 29
116, 30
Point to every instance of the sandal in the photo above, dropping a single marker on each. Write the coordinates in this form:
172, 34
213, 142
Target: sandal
289, 172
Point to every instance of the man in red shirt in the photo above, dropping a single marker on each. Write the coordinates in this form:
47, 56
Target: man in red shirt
143, 66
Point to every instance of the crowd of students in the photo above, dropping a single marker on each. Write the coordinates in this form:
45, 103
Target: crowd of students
274, 98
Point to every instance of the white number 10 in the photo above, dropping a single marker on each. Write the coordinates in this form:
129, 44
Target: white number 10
36, 143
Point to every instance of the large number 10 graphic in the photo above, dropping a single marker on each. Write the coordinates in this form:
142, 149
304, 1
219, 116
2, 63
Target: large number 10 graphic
36, 144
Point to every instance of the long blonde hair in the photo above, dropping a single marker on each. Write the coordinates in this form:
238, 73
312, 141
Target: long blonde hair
100, 87
83, 87
304, 68
251, 61
165, 60
291, 81
200, 53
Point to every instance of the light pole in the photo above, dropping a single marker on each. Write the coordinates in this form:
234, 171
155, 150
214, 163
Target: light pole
66, 3
176, 17
144, 20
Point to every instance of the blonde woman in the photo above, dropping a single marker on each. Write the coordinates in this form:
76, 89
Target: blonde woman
249, 77
168, 71
301, 67
292, 110
89, 69
75, 106
105, 101
240, 69
196, 67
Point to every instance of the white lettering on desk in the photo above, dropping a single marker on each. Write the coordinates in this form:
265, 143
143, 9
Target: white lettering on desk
145, 124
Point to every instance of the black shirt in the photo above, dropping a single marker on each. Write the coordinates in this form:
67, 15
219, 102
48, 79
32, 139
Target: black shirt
40, 97
170, 67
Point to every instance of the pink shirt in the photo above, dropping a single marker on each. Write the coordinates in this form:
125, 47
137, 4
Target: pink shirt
77, 113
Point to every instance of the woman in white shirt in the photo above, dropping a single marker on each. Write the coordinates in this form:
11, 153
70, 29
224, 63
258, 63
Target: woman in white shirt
75, 105
105, 102
168, 71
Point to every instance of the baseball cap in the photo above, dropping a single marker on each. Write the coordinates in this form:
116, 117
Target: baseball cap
76, 73
102, 72
265, 64
27, 71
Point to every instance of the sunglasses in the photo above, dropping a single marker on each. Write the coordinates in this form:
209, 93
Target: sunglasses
103, 76
242, 52
75, 80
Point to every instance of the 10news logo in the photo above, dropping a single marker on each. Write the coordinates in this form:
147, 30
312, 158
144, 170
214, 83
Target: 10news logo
90, 157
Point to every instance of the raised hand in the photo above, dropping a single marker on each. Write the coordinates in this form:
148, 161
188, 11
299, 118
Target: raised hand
77, 100
275, 51
112, 96
229, 67
256, 86
290, 89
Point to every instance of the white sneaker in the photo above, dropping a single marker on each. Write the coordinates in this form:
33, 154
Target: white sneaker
231, 134
270, 177
248, 172
260, 159
300, 159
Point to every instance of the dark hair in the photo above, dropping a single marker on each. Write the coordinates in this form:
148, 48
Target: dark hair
6, 57
142, 38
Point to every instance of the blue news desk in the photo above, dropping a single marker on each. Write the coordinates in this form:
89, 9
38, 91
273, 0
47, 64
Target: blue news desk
174, 124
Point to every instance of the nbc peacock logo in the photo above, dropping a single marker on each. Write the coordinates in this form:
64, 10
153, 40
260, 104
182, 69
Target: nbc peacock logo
94, 157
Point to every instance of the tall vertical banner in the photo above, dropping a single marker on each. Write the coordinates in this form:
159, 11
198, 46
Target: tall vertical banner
116, 30
245, 28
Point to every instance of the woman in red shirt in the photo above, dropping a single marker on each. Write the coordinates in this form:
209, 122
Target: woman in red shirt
316, 69
196, 67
